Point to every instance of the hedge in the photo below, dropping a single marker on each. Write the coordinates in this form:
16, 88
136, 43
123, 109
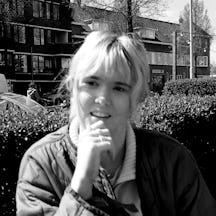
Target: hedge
191, 120
201, 86
18, 130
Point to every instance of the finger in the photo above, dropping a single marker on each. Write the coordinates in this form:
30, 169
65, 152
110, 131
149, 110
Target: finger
96, 125
103, 139
100, 132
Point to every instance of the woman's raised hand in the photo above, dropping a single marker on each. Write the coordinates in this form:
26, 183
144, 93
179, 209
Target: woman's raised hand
92, 142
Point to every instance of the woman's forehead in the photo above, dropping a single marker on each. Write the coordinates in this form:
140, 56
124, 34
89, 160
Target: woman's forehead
115, 74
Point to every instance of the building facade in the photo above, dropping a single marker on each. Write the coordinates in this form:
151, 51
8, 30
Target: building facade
160, 40
37, 44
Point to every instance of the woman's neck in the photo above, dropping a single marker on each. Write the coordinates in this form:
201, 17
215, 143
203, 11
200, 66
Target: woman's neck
112, 163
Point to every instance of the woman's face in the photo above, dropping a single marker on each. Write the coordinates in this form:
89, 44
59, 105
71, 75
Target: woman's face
105, 97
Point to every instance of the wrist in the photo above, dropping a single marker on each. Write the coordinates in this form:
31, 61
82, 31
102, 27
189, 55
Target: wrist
82, 186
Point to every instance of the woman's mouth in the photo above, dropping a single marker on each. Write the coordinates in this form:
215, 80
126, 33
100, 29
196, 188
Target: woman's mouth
100, 114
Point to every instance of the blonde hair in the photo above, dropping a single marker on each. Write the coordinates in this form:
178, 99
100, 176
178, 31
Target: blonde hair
111, 51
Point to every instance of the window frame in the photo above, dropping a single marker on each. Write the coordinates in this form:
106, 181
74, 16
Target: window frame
56, 8
19, 34
24, 67
39, 64
39, 36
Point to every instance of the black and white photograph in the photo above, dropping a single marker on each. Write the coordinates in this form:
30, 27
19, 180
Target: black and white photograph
107, 108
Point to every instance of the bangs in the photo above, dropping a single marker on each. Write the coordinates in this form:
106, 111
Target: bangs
108, 61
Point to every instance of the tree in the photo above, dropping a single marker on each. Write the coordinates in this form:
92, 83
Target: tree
200, 16
127, 9
201, 31
201, 24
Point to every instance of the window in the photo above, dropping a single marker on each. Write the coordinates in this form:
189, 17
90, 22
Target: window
55, 11
48, 64
36, 12
19, 34
99, 26
202, 61
147, 33
39, 9
157, 71
42, 64
5, 29
159, 58
9, 59
20, 62
48, 10
38, 36
183, 60
35, 63
65, 62
18, 6
2, 59
49, 36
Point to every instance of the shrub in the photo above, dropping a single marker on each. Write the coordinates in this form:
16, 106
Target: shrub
202, 87
18, 130
191, 120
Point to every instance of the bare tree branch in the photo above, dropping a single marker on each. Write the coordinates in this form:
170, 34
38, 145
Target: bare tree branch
128, 9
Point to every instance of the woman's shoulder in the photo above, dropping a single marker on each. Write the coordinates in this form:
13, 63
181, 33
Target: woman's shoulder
158, 144
48, 146
154, 136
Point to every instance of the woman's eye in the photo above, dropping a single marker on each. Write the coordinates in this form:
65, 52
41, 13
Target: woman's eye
120, 89
91, 83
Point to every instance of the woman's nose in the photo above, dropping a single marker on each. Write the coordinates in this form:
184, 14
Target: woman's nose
103, 101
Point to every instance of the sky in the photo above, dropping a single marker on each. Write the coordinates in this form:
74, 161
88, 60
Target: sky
175, 7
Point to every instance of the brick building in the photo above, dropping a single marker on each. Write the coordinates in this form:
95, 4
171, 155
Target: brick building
38, 43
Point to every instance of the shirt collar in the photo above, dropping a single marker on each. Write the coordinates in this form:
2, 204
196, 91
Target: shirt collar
127, 171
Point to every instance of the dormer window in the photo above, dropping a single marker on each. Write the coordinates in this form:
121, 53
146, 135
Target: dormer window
147, 33
99, 26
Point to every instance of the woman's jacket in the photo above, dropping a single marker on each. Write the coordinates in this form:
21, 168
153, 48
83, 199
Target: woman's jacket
168, 180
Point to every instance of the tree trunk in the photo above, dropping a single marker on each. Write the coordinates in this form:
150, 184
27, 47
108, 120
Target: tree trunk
129, 17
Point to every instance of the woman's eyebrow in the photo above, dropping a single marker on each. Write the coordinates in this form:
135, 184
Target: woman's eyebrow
92, 77
116, 83
124, 84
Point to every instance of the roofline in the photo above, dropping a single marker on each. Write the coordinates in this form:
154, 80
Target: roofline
172, 23
78, 36
157, 42
102, 9
78, 23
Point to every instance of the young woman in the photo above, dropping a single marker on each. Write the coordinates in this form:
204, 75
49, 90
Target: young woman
99, 164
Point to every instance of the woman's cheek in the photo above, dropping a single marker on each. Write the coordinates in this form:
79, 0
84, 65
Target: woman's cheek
86, 103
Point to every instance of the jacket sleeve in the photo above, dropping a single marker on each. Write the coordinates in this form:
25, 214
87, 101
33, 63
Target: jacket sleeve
193, 196
35, 196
